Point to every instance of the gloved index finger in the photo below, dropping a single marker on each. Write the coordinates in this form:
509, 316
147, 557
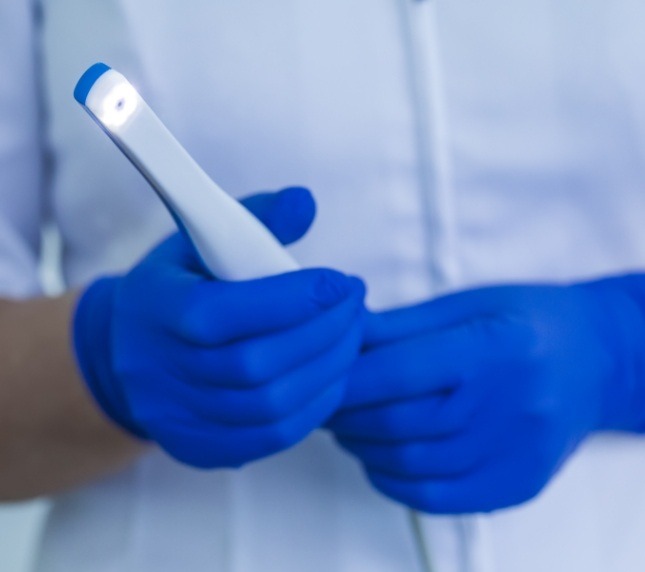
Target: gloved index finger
416, 367
441, 313
223, 312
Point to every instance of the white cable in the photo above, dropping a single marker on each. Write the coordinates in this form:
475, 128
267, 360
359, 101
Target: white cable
423, 553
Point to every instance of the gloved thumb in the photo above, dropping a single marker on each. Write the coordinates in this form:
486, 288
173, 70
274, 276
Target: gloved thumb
288, 214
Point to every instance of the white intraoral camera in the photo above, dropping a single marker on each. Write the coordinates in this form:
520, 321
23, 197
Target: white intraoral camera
231, 242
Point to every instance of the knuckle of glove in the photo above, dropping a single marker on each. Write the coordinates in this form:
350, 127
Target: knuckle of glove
385, 423
129, 363
272, 406
425, 499
382, 424
279, 437
528, 486
249, 366
416, 495
406, 462
195, 323
328, 289
531, 473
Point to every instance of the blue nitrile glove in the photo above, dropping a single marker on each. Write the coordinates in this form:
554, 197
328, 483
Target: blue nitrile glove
473, 401
221, 373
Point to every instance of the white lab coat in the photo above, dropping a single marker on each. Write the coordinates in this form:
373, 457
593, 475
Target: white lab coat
449, 143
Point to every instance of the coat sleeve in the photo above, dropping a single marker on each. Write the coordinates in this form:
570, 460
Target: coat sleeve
21, 157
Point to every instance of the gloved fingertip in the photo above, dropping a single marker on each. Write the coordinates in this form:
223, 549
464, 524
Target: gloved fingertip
288, 213
332, 287
294, 212
299, 197
358, 286
376, 331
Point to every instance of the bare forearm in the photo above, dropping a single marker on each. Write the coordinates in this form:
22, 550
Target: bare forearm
52, 436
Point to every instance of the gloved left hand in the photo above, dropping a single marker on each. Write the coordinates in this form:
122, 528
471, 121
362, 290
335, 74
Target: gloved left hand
220, 373
473, 401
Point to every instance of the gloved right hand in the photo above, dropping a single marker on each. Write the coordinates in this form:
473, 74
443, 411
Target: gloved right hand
221, 373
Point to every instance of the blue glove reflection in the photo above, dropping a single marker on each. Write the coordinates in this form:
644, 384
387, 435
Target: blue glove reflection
473, 401
221, 373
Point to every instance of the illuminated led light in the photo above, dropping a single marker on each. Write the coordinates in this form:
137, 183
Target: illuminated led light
119, 105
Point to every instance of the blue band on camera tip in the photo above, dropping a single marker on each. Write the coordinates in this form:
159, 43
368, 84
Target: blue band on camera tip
87, 81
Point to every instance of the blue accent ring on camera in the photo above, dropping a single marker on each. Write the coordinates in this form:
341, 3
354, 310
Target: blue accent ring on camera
87, 81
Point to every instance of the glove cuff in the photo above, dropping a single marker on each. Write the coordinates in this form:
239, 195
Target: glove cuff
91, 332
622, 300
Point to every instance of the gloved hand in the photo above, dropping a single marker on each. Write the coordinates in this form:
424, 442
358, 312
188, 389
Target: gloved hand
221, 373
473, 401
